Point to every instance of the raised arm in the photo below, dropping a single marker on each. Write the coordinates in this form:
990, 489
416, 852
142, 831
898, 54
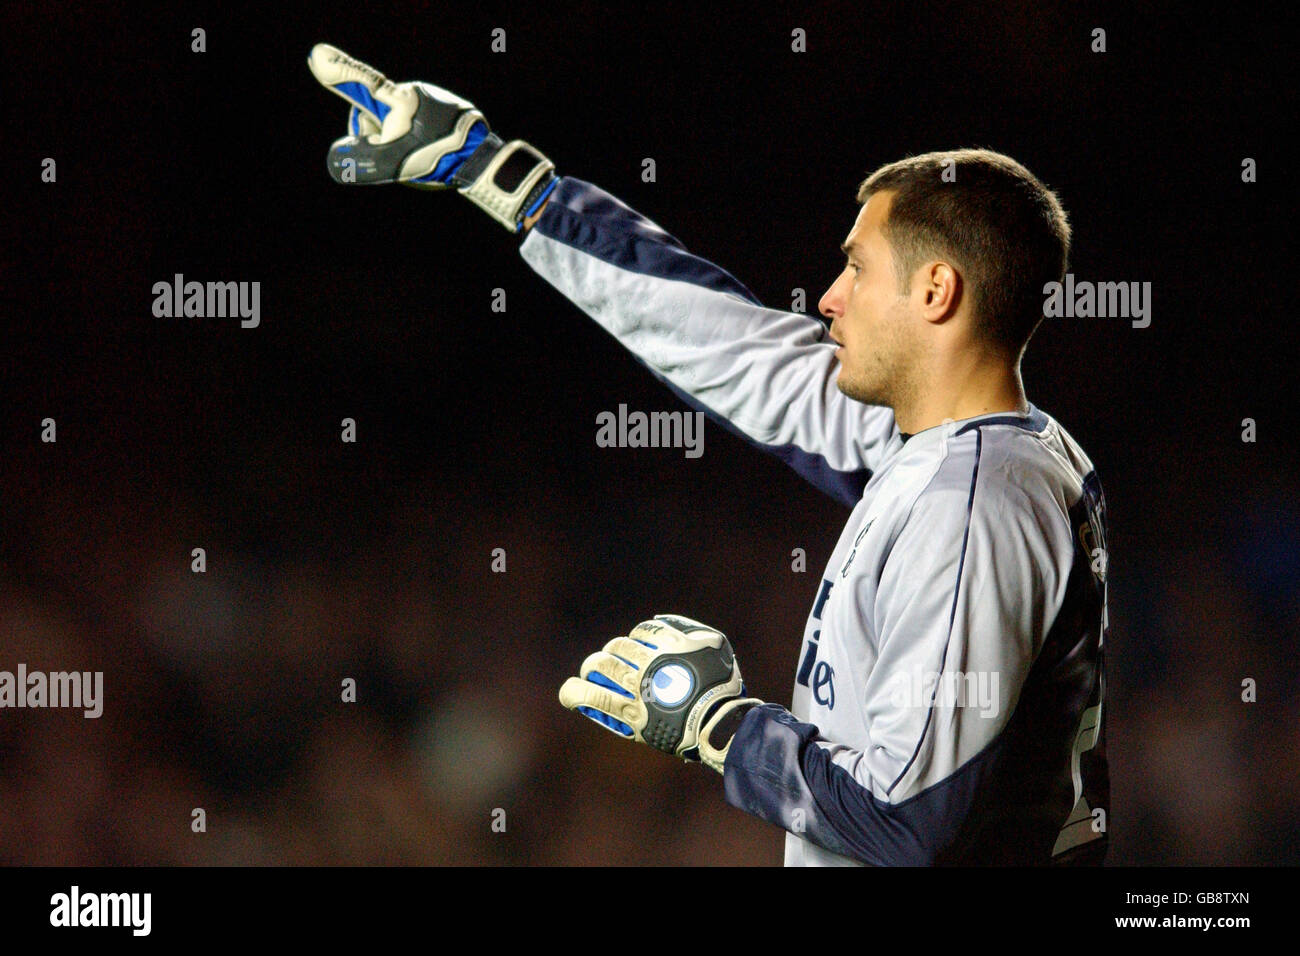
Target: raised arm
765, 374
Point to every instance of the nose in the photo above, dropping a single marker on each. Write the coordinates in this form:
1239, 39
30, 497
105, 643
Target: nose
832, 302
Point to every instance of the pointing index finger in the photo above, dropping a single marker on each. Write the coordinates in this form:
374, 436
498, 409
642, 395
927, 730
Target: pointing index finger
359, 83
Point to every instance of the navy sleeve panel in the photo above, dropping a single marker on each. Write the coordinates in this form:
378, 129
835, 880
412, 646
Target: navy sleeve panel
586, 217
776, 772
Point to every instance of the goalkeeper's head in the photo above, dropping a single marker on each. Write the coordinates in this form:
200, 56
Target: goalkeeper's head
943, 283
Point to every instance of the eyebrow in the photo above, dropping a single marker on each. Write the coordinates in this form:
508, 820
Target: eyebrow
848, 248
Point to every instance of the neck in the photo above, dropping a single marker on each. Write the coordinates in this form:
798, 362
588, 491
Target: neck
981, 388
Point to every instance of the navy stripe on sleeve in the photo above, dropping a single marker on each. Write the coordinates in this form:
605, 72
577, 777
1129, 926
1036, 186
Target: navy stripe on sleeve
589, 219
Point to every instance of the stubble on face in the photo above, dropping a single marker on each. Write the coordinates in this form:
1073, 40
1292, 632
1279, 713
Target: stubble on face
880, 343
881, 372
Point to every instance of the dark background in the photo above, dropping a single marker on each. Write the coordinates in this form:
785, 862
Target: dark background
476, 429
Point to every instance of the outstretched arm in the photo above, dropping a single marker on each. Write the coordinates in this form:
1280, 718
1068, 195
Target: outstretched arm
765, 374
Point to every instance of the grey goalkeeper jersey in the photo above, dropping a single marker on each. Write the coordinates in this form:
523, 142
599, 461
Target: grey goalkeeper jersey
947, 703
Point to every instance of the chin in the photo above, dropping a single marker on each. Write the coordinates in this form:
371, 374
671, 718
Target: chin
858, 392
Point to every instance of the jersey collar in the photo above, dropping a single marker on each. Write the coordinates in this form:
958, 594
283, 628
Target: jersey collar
1032, 420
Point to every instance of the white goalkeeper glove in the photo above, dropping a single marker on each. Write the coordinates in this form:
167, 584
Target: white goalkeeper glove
423, 135
672, 683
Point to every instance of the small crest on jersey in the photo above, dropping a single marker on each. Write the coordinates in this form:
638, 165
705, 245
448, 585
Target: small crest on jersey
844, 571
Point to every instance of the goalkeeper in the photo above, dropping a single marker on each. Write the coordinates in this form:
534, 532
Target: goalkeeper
947, 703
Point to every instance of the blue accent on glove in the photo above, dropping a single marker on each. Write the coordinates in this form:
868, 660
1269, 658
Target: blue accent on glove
448, 165
606, 721
596, 677
533, 208
357, 93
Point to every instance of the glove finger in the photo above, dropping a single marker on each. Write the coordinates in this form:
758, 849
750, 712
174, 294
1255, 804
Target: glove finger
444, 95
606, 721
619, 676
572, 695
599, 703
403, 101
360, 84
361, 123
671, 632
633, 652
683, 623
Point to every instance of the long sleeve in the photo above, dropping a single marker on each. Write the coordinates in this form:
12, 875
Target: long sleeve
764, 374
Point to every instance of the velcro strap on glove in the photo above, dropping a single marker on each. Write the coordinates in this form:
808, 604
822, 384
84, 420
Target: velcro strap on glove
507, 180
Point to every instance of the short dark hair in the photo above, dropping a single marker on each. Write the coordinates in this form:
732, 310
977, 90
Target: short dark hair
1004, 230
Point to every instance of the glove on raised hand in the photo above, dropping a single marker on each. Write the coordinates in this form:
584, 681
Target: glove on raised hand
426, 136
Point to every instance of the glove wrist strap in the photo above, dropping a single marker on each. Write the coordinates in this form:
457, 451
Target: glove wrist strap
727, 719
507, 180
